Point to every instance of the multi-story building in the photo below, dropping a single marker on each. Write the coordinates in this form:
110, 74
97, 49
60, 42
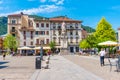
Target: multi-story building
31, 31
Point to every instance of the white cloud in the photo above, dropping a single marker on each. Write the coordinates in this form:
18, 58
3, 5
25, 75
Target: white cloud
41, 9
60, 2
57, 2
42, 1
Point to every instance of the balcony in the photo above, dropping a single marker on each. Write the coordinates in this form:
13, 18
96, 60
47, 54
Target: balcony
14, 24
27, 28
73, 43
13, 31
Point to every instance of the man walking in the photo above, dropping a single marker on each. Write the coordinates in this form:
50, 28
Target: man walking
102, 54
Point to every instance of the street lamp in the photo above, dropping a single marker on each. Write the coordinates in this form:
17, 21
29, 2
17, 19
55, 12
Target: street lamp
41, 49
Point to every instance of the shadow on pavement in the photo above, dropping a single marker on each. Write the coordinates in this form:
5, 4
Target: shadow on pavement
3, 62
1, 67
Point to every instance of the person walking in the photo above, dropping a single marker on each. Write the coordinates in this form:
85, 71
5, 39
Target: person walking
102, 54
4, 55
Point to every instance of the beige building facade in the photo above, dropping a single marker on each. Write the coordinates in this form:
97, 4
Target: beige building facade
31, 31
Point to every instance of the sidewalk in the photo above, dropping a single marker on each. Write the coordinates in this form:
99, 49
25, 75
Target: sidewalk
63, 69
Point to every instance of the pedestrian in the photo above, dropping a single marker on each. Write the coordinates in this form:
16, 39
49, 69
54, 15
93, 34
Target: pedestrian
49, 52
4, 54
102, 54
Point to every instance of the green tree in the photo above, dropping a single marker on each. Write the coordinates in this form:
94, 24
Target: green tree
52, 45
104, 32
84, 44
10, 42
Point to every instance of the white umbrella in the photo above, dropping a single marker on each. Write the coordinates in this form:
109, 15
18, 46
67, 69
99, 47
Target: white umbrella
47, 47
108, 43
24, 48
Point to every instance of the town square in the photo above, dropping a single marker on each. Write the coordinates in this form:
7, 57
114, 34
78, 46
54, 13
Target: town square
59, 40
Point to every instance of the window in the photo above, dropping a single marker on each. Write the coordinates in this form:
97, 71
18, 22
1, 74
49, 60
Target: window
37, 41
24, 43
13, 29
76, 32
71, 27
31, 43
37, 24
13, 35
47, 32
71, 39
71, 33
54, 32
24, 37
53, 27
31, 34
77, 49
47, 41
13, 21
59, 32
24, 32
59, 27
76, 25
42, 24
42, 32
47, 25
76, 39
36, 32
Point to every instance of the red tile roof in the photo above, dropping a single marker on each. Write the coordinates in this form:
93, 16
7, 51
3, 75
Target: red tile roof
15, 15
61, 19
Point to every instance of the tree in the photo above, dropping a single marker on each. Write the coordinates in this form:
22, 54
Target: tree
104, 31
89, 42
84, 44
10, 42
52, 45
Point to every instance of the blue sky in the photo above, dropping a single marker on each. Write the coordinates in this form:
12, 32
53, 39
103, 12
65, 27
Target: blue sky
89, 11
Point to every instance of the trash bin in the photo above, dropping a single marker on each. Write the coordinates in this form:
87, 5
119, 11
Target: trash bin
38, 63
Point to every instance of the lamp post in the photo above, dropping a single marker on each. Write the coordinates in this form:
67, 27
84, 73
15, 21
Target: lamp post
41, 50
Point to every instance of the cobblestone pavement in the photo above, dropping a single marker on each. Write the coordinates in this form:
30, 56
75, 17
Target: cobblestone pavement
17, 68
91, 63
63, 69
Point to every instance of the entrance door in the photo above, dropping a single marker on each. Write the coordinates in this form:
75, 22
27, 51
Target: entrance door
71, 49
77, 49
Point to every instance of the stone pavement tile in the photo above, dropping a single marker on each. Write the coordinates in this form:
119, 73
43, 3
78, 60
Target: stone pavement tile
18, 68
92, 64
63, 69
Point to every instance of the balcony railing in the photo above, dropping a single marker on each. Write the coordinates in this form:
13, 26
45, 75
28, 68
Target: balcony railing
13, 31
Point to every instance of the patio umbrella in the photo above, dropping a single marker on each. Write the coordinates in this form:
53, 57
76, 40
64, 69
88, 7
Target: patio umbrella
108, 43
24, 48
43, 47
